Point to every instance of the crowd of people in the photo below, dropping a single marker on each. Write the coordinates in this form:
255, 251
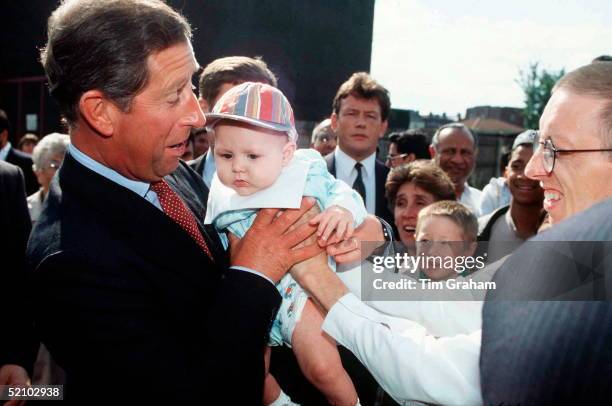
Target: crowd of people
180, 247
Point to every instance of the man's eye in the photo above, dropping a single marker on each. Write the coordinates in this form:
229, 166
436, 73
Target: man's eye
252, 156
226, 156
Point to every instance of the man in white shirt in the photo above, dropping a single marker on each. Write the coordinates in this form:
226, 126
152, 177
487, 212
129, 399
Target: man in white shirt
360, 112
454, 149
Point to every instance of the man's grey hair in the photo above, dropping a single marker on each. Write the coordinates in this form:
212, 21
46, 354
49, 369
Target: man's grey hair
456, 126
52, 144
323, 126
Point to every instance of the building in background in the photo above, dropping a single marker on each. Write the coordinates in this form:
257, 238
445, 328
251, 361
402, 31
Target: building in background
301, 41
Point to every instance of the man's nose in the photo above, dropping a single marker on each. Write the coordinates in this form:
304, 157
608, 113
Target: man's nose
458, 158
194, 117
535, 166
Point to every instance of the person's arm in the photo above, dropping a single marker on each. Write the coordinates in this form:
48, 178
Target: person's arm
407, 362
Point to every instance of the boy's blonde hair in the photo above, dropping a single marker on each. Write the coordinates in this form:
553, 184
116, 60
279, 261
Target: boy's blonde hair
456, 212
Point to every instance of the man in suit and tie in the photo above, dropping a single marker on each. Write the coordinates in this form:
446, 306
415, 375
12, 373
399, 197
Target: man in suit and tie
360, 112
135, 297
217, 78
16, 157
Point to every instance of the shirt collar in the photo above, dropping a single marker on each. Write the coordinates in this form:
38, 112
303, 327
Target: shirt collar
4, 151
346, 162
138, 187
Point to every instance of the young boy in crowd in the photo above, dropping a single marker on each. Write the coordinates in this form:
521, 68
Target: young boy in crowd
258, 166
445, 229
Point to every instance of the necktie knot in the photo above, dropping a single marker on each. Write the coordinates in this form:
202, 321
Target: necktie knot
161, 188
175, 208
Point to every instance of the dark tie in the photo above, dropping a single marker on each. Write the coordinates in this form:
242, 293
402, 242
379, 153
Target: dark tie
174, 208
358, 184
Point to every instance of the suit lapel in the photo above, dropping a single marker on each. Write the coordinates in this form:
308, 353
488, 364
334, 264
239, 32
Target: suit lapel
331, 164
136, 222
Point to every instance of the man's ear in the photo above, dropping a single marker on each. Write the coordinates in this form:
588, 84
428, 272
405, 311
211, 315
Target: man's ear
334, 122
98, 111
384, 129
432, 151
411, 157
288, 151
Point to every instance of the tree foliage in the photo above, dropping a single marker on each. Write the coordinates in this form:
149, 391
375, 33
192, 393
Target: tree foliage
537, 85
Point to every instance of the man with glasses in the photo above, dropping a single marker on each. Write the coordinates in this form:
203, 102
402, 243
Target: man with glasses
528, 352
407, 146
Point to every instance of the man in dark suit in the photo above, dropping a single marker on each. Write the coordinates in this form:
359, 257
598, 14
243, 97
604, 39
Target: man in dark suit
16, 157
17, 343
361, 109
135, 297
218, 77
360, 113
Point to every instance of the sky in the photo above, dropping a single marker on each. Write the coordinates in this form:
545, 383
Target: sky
447, 55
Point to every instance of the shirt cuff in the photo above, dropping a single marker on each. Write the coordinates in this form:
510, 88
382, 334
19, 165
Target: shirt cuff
243, 269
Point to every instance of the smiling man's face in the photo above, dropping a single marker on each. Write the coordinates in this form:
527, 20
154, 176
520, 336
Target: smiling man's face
578, 180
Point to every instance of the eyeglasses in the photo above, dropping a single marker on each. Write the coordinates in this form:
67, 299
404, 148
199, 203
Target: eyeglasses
393, 158
54, 165
326, 140
549, 153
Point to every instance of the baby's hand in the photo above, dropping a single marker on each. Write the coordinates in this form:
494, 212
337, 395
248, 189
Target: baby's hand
334, 218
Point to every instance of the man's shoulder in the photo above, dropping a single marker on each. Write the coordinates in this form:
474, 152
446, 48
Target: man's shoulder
18, 157
474, 191
9, 170
381, 167
592, 224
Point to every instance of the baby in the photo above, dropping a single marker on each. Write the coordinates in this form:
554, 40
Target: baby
258, 166
445, 229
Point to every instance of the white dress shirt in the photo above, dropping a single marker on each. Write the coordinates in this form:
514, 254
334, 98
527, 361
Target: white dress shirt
420, 350
405, 360
346, 172
4, 151
471, 199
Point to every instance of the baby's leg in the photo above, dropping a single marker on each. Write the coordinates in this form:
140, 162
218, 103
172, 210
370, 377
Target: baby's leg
271, 388
318, 357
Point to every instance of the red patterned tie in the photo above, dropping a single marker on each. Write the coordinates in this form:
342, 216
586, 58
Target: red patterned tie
175, 209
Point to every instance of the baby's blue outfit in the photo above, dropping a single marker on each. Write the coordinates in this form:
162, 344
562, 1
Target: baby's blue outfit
305, 175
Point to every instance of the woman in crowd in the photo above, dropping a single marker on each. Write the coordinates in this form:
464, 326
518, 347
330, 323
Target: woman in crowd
412, 187
47, 157
27, 143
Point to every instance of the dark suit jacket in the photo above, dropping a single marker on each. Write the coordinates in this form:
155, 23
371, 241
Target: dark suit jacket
131, 307
381, 172
552, 351
198, 166
24, 161
17, 343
